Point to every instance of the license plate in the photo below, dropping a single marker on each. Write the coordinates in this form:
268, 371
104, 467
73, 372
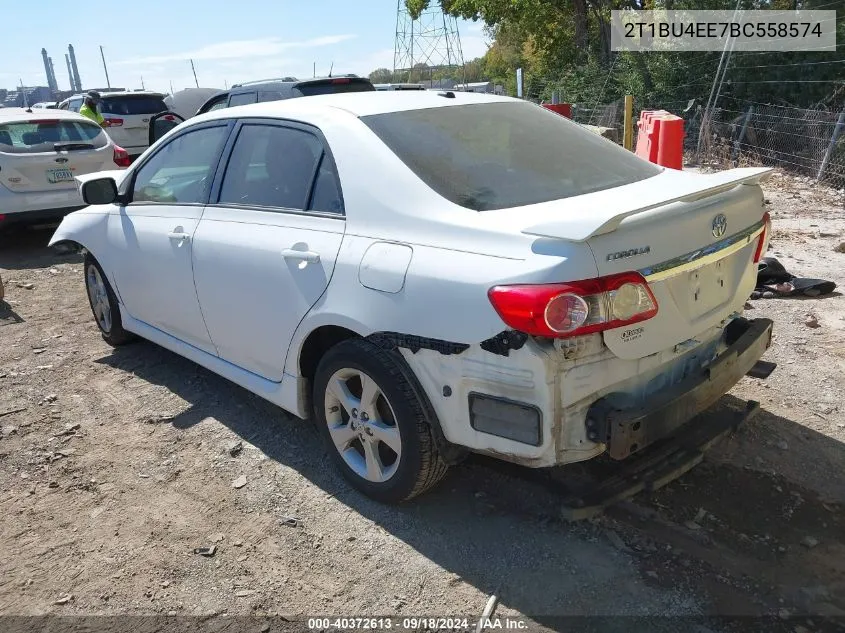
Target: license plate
709, 287
59, 175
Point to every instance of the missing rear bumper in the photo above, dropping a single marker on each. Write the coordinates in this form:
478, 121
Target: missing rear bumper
628, 430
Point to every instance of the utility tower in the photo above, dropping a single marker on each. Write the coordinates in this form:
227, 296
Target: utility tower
427, 46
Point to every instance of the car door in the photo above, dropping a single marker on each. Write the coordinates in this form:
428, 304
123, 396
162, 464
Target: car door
266, 246
161, 124
152, 235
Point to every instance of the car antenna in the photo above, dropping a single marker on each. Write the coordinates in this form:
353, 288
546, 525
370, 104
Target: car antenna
330, 69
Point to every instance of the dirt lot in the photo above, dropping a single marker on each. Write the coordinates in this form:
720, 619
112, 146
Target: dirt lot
115, 465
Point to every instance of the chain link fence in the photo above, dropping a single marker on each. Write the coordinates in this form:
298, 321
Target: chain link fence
800, 141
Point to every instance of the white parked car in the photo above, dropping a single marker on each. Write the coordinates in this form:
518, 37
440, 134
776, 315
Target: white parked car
41, 152
427, 274
128, 116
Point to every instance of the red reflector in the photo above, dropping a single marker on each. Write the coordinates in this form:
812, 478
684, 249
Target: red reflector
121, 157
44, 122
765, 236
114, 122
340, 81
575, 308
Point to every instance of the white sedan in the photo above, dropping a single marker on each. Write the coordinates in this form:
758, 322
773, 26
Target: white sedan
41, 152
430, 274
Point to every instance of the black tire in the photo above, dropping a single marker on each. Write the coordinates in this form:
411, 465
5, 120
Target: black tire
113, 332
420, 466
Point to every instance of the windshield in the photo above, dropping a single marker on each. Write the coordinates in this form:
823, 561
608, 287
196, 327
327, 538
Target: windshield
501, 155
132, 104
30, 137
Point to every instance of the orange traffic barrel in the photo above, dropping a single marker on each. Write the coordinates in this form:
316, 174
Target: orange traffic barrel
670, 147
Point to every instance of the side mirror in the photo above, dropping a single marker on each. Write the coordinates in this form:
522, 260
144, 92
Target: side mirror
99, 191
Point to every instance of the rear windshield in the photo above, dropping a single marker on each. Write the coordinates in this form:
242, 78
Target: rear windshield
132, 104
42, 136
330, 88
501, 155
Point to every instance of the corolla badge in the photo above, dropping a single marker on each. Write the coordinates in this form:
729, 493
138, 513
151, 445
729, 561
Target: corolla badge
631, 252
720, 225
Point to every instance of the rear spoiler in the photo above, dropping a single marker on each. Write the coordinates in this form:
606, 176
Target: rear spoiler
602, 212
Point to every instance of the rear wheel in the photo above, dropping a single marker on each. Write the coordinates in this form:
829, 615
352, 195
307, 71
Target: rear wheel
373, 423
104, 304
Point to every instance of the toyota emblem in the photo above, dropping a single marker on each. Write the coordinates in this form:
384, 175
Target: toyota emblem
720, 225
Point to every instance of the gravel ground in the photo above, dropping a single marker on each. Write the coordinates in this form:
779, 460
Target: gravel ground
116, 464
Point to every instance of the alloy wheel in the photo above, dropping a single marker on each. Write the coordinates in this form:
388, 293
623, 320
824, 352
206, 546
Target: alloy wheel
362, 425
99, 296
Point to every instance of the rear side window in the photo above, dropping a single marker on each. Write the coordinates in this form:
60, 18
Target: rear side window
275, 166
333, 87
501, 155
270, 95
74, 105
241, 99
42, 136
132, 104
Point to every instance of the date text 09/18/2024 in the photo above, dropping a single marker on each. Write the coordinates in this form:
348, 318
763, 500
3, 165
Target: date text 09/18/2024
411, 623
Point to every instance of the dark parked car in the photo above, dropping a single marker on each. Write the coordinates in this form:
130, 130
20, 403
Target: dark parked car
264, 90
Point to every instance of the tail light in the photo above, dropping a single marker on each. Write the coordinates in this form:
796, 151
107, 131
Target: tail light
169, 117
2, 216
765, 236
44, 122
121, 157
575, 308
341, 80
114, 122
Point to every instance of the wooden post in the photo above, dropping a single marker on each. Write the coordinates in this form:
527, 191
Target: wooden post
834, 137
628, 130
741, 137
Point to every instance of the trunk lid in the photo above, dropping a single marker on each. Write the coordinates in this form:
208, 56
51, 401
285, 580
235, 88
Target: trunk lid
692, 237
46, 155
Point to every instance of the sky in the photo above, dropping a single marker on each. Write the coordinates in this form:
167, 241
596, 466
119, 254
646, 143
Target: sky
230, 41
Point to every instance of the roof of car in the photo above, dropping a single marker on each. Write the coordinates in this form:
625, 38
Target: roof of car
8, 115
119, 93
293, 81
358, 103
132, 93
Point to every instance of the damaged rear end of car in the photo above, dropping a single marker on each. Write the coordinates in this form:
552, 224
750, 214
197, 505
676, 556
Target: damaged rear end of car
658, 336
622, 307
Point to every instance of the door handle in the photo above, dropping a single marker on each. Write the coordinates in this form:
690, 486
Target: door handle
182, 237
306, 256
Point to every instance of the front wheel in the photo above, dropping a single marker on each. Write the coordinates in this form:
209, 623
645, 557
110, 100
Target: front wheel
104, 304
373, 423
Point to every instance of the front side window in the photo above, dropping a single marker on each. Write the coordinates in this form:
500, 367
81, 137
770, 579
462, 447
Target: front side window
274, 166
74, 105
502, 155
217, 106
181, 172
